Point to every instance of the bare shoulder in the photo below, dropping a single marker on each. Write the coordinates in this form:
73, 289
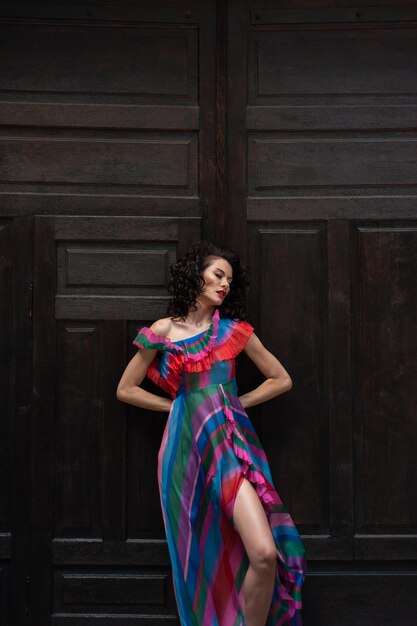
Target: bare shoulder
162, 326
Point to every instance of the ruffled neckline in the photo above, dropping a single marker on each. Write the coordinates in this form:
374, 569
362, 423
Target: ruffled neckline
214, 320
199, 344
199, 348
222, 340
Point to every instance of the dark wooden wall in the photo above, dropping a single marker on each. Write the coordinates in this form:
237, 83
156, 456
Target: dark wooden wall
130, 130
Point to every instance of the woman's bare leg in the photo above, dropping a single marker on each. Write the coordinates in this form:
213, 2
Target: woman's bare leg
252, 525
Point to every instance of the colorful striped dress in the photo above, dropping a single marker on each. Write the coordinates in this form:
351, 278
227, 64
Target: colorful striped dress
209, 445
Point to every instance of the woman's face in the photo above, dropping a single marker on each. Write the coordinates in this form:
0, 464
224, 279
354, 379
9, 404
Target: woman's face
217, 278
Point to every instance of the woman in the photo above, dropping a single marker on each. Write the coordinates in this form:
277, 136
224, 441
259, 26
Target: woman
237, 557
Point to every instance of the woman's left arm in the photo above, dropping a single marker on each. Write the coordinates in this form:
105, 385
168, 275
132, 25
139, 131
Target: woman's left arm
277, 381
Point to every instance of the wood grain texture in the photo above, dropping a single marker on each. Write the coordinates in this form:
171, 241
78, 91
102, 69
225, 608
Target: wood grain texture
77, 431
20, 361
111, 60
360, 594
44, 399
291, 289
151, 163
329, 161
385, 377
7, 373
338, 381
7, 384
118, 590
113, 439
321, 61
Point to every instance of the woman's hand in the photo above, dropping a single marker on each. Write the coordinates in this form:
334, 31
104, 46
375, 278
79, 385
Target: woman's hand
128, 389
277, 381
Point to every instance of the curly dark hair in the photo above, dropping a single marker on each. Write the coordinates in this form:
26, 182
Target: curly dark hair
186, 281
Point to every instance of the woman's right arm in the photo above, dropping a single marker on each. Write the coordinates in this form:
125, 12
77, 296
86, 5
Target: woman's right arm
128, 389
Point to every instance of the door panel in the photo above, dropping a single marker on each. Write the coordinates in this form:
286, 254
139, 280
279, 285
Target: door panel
385, 378
289, 276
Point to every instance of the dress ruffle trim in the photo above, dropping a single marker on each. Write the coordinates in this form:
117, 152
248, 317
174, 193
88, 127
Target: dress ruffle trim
198, 356
288, 580
147, 339
264, 489
222, 348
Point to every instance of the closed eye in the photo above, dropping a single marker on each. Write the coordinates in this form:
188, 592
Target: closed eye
220, 276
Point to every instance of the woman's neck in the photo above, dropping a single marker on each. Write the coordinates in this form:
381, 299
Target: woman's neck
201, 317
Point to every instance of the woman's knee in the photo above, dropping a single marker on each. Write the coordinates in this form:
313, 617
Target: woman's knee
264, 558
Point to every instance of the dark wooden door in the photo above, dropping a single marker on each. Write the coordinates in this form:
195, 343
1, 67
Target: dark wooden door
107, 174
129, 131
322, 118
